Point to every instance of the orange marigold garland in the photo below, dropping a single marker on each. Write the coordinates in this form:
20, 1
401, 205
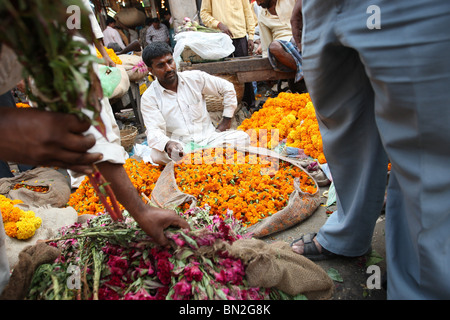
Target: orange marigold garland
143, 176
249, 185
111, 54
41, 189
22, 105
307, 136
290, 117
234, 181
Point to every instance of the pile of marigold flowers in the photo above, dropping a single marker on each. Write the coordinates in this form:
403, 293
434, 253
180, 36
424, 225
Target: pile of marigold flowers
143, 176
290, 117
22, 105
18, 223
111, 54
111, 260
41, 189
252, 186
307, 136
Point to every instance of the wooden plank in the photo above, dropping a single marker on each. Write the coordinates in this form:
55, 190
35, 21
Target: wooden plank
263, 75
230, 66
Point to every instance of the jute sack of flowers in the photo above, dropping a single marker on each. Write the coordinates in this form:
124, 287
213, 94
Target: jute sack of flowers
275, 265
38, 187
166, 193
30, 258
134, 66
300, 206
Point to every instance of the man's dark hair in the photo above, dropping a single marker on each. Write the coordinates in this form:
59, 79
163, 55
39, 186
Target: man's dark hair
110, 20
155, 50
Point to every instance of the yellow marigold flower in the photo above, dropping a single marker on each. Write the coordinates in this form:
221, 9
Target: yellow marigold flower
10, 229
17, 222
111, 54
25, 229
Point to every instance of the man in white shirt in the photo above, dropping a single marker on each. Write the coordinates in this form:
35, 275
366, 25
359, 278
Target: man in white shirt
111, 35
174, 107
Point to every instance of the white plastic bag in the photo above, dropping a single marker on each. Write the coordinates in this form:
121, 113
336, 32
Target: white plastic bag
209, 46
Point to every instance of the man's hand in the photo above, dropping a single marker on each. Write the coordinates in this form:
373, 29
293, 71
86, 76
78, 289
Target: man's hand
45, 138
251, 46
225, 124
106, 58
224, 28
154, 220
108, 61
174, 150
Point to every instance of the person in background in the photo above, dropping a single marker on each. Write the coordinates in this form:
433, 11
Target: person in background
256, 9
157, 32
393, 105
174, 107
234, 18
143, 32
276, 36
168, 21
111, 36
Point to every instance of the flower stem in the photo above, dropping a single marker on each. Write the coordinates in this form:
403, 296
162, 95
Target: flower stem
103, 189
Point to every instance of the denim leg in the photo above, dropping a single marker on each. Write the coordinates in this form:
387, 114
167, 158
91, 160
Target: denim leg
343, 97
406, 62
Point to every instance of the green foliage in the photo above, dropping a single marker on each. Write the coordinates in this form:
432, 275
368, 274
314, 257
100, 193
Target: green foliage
57, 59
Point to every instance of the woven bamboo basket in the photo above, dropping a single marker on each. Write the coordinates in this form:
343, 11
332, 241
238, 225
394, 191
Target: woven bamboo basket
128, 137
214, 103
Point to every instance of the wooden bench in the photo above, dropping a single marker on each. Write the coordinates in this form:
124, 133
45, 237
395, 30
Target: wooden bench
246, 69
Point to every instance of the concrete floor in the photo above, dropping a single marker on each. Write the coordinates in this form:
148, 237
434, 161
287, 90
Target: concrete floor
352, 271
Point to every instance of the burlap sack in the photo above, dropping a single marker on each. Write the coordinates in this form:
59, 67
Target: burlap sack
53, 219
30, 258
301, 205
275, 265
124, 84
58, 187
166, 193
134, 66
130, 17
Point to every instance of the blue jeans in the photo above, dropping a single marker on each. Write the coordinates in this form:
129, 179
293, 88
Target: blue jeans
384, 93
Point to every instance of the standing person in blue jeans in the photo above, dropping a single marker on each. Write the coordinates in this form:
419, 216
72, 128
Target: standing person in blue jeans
378, 74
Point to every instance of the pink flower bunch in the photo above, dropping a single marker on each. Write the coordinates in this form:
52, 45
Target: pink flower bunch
192, 272
233, 271
132, 267
182, 290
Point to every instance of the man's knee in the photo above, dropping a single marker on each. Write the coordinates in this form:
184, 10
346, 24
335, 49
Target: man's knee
276, 48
